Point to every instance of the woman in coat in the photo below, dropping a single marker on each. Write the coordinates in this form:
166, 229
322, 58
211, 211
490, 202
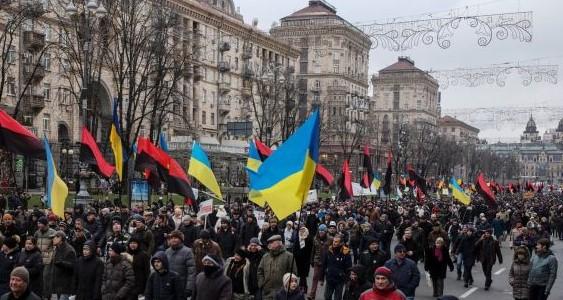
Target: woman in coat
31, 259
519, 271
238, 269
302, 250
87, 279
436, 262
118, 280
141, 267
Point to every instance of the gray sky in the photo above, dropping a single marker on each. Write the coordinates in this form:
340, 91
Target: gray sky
546, 48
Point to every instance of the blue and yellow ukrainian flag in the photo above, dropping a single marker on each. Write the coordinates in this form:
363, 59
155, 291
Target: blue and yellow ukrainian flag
200, 169
458, 193
252, 164
57, 191
115, 141
283, 179
376, 183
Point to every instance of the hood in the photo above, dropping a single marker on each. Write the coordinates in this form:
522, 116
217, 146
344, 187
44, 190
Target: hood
522, 250
160, 255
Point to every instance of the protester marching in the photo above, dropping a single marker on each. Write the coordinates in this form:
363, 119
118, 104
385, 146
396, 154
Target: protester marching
273, 245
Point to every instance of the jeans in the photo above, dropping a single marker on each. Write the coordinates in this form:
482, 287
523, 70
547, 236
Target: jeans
315, 283
459, 265
334, 289
467, 277
537, 292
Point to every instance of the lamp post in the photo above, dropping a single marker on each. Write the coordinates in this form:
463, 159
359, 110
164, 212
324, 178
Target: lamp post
67, 156
86, 19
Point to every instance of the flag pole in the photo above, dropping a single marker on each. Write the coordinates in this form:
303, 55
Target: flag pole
293, 255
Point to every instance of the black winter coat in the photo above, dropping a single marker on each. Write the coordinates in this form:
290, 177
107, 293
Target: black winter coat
303, 256
227, 241
354, 290
142, 270
437, 269
87, 279
7, 264
247, 232
118, 279
371, 261
190, 232
165, 285
33, 262
62, 269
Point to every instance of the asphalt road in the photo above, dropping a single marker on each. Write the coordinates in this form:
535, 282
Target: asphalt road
500, 289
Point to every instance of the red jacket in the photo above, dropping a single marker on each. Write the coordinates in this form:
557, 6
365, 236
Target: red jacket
388, 294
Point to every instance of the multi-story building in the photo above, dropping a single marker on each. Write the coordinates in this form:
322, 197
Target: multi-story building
539, 161
214, 106
554, 135
458, 131
404, 95
332, 71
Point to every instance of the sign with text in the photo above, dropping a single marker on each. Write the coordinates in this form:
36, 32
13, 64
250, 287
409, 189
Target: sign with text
205, 208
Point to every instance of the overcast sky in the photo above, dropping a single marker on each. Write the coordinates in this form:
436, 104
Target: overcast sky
546, 48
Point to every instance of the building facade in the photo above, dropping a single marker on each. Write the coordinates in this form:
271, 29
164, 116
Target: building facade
332, 74
539, 160
458, 131
213, 107
404, 95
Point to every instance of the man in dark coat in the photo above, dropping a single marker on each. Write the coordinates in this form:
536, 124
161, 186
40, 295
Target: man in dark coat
335, 263
87, 278
249, 230
8, 259
141, 267
466, 248
30, 258
93, 225
226, 239
163, 284
181, 261
62, 267
488, 250
254, 256
118, 279
405, 273
212, 283
189, 230
372, 259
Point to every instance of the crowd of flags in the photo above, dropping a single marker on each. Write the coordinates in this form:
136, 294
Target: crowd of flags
280, 179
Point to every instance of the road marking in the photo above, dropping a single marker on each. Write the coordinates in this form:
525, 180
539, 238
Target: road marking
471, 291
500, 271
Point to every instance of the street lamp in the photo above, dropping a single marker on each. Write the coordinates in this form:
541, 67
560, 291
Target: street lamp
86, 20
67, 155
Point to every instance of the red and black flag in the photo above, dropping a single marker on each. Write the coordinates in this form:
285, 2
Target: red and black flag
178, 181
90, 153
367, 176
416, 180
17, 139
345, 182
388, 173
483, 189
265, 151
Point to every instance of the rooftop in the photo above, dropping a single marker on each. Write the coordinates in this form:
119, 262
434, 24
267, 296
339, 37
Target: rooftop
404, 63
315, 8
451, 121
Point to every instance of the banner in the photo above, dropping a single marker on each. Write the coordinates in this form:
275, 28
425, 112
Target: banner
358, 190
260, 218
312, 197
205, 208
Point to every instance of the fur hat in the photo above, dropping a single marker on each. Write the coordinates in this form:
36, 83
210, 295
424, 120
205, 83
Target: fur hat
21, 273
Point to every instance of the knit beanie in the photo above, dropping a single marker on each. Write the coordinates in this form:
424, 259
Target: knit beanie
214, 259
21, 273
176, 234
254, 240
43, 220
383, 271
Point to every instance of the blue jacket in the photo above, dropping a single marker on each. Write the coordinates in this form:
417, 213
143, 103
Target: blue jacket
543, 270
405, 275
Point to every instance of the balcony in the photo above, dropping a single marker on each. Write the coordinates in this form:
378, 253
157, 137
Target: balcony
33, 40
198, 75
247, 53
316, 89
224, 106
336, 89
224, 47
247, 73
33, 73
35, 101
224, 66
246, 92
224, 87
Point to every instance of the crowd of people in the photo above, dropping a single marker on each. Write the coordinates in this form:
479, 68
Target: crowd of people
168, 252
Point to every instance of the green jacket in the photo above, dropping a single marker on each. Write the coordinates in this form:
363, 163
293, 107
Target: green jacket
271, 270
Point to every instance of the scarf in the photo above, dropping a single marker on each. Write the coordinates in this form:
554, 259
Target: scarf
438, 254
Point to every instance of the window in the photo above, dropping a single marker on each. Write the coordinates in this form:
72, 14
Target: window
203, 117
396, 97
47, 91
236, 63
212, 118
46, 61
11, 86
47, 123
203, 96
213, 98
11, 57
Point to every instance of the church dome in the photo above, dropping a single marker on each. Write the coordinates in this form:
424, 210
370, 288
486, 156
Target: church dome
531, 126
